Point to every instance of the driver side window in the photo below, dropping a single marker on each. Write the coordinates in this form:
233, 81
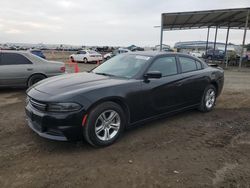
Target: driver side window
166, 65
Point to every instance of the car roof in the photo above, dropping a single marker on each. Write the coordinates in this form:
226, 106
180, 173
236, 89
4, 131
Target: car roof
155, 53
15, 51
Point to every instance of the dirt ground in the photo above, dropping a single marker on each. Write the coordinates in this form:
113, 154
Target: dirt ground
191, 149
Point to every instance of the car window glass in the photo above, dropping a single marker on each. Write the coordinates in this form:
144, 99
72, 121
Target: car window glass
187, 64
198, 64
92, 52
123, 65
166, 65
14, 59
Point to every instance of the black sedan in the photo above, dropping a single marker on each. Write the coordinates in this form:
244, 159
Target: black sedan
126, 90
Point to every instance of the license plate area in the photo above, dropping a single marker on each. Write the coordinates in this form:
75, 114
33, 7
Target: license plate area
36, 120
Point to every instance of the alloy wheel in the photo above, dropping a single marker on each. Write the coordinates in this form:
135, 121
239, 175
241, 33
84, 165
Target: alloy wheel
107, 125
210, 98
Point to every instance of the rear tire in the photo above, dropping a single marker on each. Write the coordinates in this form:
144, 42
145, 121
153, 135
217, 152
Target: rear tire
105, 124
85, 60
34, 79
208, 99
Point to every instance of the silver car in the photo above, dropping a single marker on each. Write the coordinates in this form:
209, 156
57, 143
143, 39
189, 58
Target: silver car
20, 68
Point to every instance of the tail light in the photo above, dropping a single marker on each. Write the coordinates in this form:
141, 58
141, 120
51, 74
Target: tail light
62, 69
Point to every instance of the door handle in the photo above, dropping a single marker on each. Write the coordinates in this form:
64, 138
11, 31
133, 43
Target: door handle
29, 69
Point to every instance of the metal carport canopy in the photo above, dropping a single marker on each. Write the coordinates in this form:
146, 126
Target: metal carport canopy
233, 18
223, 18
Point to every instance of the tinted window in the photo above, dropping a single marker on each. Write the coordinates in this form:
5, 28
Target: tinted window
198, 64
187, 64
166, 65
14, 59
81, 52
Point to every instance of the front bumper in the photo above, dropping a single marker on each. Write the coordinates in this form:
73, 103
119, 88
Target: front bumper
55, 126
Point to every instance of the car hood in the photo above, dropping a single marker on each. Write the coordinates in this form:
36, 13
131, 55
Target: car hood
69, 83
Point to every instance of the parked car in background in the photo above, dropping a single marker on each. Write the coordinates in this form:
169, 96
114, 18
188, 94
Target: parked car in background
19, 68
39, 53
86, 56
198, 54
214, 54
116, 52
125, 90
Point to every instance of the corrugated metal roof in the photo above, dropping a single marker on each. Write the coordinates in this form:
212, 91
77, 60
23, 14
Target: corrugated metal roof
235, 18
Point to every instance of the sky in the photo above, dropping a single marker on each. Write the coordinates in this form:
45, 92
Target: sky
104, 22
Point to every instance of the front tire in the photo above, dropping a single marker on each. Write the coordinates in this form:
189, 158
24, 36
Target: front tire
208, 99
104, 125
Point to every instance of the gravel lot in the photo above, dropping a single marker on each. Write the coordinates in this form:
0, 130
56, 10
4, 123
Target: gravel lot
190, 149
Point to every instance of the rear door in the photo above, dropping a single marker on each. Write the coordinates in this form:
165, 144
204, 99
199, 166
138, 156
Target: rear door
14, 69
194, 80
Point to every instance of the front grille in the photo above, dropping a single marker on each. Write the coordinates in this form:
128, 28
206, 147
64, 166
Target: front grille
38, 105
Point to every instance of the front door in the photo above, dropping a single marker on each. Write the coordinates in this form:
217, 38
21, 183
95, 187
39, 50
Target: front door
163, 95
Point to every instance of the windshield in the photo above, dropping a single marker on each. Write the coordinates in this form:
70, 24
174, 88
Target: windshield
92, 52
124, 65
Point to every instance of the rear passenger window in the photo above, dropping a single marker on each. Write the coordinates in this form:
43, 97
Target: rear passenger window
14, 59
187, 64
166, 65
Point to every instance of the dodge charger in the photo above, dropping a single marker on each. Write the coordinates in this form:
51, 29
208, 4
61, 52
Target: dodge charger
126, 90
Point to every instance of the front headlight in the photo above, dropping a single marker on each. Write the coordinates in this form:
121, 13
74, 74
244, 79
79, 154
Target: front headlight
63, 107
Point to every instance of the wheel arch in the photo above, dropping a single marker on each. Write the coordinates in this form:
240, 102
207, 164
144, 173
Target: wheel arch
215, 84
118, 100
37, 73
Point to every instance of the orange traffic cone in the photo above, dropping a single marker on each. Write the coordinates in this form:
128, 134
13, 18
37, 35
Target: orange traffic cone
71, 62
76, 68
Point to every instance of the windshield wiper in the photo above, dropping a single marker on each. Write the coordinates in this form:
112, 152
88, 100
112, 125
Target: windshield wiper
104, 74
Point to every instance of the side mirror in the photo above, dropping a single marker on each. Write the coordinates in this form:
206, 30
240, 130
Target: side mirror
153, 74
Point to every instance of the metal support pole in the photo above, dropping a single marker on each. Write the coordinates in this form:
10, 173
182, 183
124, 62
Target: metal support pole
215, 38
244, 39
161, 32
225, 60
208, 30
